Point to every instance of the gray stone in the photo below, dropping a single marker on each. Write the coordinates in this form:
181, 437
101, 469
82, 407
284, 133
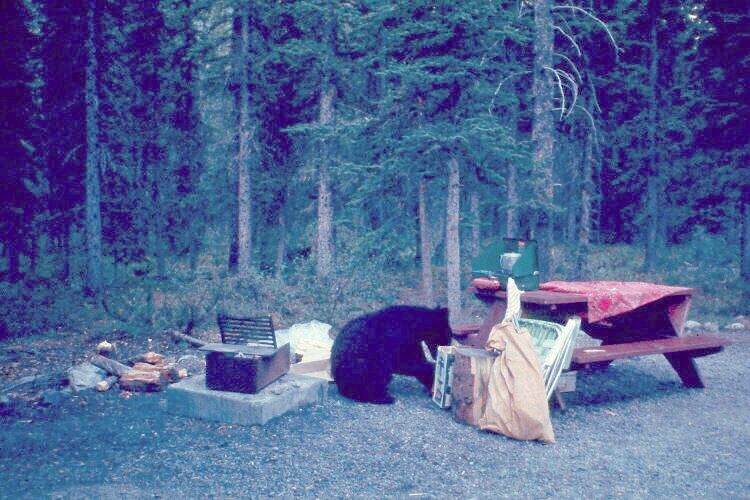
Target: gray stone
711, 327
53, 397
191, 398
192, 363
735, 326
85, 376
692, 325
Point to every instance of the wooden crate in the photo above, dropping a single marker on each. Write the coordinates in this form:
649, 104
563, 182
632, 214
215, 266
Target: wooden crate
442, 393
471, 373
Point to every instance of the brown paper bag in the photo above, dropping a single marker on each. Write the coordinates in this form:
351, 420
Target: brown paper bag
516, 402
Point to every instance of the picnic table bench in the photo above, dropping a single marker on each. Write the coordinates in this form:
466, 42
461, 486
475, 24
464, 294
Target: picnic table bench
630, 323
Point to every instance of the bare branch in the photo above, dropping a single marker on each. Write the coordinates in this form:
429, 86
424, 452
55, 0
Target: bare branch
571, 64
562, 91
484, 56
569, 37
573, 88
591, 120
592, 16
593, 93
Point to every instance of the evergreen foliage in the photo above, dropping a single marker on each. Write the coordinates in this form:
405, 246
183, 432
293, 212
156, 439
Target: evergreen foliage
648, 97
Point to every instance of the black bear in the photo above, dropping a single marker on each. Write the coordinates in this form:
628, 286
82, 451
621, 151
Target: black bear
371, 348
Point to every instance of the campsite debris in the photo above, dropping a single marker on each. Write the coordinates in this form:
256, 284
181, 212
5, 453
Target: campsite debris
85, 376
152, 358
104, 348
148, 375
187, 338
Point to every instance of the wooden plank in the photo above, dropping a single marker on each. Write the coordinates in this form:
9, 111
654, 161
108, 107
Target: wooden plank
465, 329
701, 345
539, 297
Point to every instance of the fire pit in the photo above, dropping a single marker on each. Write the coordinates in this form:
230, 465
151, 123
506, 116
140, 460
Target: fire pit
244, 368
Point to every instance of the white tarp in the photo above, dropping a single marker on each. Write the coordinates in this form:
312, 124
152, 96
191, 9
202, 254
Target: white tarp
312, 341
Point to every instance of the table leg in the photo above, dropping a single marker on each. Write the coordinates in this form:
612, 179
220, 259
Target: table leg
560, 400
494, 316
686, 368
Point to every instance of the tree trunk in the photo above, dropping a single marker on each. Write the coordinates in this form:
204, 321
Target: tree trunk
14, 260
324, 254
452, 240
281, 244
425, 246
475, 223
652, 172
571, 166
511, 214
584, 227
64, 260
93, 190
244, 229
542, 133
745, 243
154, 224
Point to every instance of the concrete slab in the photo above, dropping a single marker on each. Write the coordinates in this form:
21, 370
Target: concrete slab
191, 398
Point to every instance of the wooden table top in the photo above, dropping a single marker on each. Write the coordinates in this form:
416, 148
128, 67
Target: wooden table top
541, 297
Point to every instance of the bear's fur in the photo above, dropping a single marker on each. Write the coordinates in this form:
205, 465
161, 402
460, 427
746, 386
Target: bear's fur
371, 348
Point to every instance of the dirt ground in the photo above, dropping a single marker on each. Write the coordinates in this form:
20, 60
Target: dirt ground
632, 430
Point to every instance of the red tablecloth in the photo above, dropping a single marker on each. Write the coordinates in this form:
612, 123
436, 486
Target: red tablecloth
610, 298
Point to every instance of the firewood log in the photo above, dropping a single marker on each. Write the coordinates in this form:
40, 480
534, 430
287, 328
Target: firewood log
110, 365
169, 371
190, 340
152, 358
105, 384
142, 381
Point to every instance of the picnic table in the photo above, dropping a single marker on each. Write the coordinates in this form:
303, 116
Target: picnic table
630, 318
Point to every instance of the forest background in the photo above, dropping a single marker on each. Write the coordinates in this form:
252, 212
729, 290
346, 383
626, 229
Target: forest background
318, 159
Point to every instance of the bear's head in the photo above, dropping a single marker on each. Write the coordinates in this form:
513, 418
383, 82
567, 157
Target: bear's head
439, 330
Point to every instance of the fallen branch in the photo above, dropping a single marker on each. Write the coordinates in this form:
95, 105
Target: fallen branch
31, 379
36, 381
110, 365
190, 340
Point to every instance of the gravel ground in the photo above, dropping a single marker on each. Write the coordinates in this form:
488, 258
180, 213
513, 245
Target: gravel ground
630, 431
